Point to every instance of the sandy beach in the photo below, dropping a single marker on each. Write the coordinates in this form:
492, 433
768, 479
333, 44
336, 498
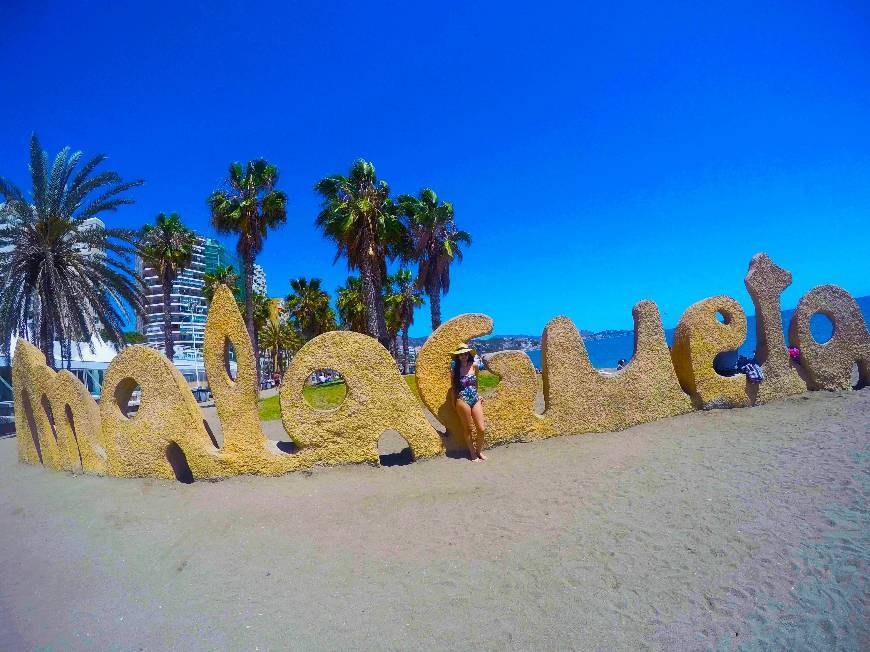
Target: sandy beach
743, 528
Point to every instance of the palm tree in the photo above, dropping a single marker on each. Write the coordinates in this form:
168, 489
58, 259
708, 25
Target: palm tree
263, 309
63, 275
392, 316
358, 214
406, 299
350, 305
225, 275
269, 337
436, 244
167, 247
308, 306
280, 340
250, 207
262, 306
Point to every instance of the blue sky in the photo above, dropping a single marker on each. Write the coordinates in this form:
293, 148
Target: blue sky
599, 153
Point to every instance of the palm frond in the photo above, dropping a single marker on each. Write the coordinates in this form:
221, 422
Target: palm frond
63, 280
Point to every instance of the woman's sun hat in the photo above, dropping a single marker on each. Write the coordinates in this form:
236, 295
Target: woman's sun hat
464, 348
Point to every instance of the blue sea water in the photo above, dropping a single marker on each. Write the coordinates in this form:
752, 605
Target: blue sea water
606, 353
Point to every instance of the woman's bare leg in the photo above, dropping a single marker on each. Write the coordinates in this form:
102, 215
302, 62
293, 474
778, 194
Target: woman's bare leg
477, 415
464, 413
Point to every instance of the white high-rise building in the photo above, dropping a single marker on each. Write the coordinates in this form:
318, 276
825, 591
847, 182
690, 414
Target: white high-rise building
187, 308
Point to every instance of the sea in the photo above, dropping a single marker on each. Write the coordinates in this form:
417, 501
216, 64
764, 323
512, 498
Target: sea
604, 354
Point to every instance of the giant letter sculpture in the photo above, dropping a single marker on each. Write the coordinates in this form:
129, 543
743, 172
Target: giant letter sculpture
509, 410
766, 281
77, 423
57, 421
829, 365
167, 433
59, 424
579, 398
377, 399
698, 339
246, 447
31, 379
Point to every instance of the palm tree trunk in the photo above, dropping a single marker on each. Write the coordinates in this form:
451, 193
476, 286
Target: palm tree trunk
249, 308
46, 341
435, 307
168, 346
406, 349
379, 307
374, 301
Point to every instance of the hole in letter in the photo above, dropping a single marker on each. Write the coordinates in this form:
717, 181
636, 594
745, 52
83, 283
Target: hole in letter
230, 360
177, 460
821, 328
128, 396
324, 389
393, 449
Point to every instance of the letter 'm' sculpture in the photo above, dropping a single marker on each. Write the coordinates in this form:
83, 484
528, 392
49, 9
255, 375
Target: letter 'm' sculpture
60, 425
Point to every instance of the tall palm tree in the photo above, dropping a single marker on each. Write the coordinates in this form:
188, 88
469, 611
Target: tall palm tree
308, 307
350, 305
249, 208
436, 244
406, 298
225, 275
167, 247
64, 276
358, 214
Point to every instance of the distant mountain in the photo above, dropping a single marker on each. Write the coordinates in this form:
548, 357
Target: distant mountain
493, 343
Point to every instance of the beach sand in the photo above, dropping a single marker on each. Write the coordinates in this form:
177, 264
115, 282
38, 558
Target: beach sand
724, 529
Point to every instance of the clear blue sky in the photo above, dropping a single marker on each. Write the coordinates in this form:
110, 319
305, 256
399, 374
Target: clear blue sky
599, 153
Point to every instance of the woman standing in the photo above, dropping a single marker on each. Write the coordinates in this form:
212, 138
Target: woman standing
465, 365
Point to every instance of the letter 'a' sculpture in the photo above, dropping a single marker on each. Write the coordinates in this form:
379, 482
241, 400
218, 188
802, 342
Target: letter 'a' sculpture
60, 426
829, 365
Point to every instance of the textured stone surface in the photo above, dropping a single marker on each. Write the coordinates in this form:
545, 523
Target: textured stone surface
168, 414
578, 398
31, 379
765, 282
509, 410
829, 365
60, 425
245, 447
699, 337
77, 423
433, 372
47, 402
377, 399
